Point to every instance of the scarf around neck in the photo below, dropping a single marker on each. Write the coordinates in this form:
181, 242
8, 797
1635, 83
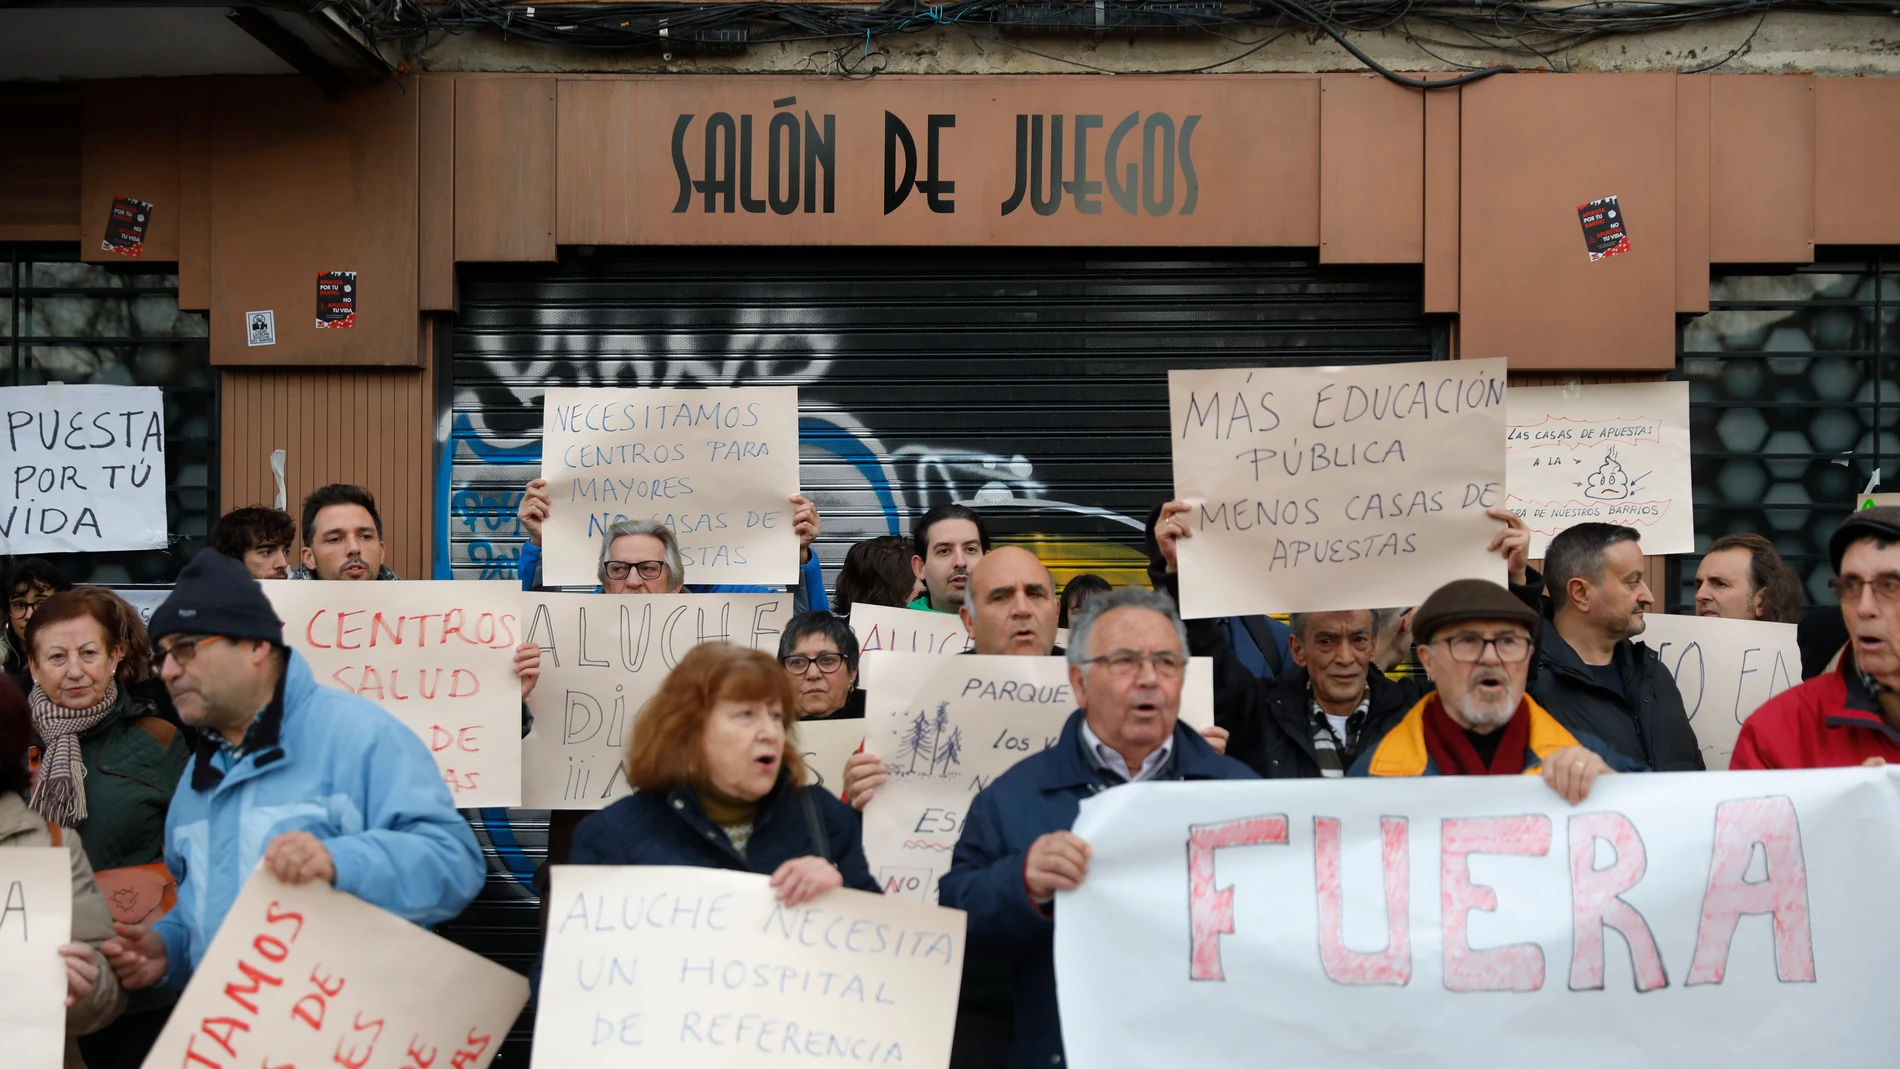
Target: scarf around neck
1445, 741
59, 791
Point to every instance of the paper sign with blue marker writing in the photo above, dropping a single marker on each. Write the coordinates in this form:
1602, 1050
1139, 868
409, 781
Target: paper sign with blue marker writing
717, 466
663, 965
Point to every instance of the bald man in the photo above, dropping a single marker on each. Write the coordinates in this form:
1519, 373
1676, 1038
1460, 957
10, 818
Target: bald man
1010, 605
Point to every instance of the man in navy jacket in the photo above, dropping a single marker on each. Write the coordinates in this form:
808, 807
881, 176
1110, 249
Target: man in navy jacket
1127, 659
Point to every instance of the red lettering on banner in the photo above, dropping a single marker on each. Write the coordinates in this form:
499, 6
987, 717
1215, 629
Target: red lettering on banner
341, 631
471, 1052
1519, 967
377, 623
455, 683
310, 630
231, 1026
455, 628
463, 739
258, 978
1596, 902
359, 1057
1740, 826
1210, 911
507, 629
1343, 965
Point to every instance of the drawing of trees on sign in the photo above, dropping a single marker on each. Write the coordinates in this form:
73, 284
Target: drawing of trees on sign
933, 743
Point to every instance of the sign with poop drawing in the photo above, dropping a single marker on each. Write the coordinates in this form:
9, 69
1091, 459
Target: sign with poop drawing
1614, 453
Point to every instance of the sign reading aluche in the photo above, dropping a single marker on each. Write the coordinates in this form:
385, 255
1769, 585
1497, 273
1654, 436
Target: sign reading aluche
719, 467
84, 468
1315, 488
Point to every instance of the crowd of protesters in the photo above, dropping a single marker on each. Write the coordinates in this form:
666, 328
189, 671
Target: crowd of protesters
175, 757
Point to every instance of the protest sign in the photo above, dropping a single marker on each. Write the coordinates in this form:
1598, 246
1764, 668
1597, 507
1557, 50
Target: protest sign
309, 975
827, 745
881, 627
1725, 670
659, 965
36, 916
144, 599
1447, 923
717, 466
85, 468
945, 728
1317, 488
602, 658
439, 656
1611, 453
1868, 501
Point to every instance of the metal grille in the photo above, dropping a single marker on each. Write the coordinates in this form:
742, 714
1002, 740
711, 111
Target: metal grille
1792, 405
1031, 384
119, 325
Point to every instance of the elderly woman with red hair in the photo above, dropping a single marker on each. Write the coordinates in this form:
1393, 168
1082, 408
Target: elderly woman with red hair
719, 783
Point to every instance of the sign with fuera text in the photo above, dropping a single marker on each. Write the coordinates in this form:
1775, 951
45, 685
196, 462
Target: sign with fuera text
719, 467
1671, 919
84, 469
439, 656
311, 976
36, 916
1320, 488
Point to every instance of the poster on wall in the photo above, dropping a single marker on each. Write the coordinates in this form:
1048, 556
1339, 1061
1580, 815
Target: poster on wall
1317, 488
84, 469
1609, 453
719, 467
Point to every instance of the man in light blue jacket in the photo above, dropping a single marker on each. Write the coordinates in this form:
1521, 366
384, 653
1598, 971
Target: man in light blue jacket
315, 782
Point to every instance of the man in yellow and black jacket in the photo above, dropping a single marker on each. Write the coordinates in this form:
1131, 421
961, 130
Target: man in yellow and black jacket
1475, 639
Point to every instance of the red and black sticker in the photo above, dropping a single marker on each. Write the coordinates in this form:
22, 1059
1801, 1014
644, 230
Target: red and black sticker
125, 230
1603, 233
336, 299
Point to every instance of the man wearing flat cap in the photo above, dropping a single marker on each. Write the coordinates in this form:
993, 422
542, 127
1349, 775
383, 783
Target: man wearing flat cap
1474, 638
1850, 716
315, 782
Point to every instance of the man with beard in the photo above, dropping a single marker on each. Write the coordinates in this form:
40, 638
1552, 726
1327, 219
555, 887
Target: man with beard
1851, 715
1474, 637
342, 536
1587, 672
947, 542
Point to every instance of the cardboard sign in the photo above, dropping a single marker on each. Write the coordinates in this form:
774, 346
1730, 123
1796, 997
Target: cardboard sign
84, 469
36, 916
657, 965
946, 728
336, 300
1319, 488
881, 627
126, 227
1615, 453
439, 656
1722, 918
1725, 670
717, 466
827, 745
308, 976
1604, 234
602, 657
1867, 501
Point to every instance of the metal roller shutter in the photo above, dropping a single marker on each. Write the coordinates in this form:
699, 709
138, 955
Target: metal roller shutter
1031, 383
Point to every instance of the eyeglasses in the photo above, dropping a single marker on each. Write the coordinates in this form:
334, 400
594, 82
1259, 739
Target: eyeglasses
1469, 649
183, 651
618, 570
1128, 663
23, 607
1848, 588
828, 663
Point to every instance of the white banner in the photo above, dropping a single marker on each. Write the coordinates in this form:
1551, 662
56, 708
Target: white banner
717, 466
439, 656
1318, 488
1610, 453
602, 657
84, 469
1725, 670
36, 916
881, 627
1685, 919
945, 728
656, 965
310, 976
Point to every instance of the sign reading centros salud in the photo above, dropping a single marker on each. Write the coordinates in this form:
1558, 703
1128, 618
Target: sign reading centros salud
1721, 918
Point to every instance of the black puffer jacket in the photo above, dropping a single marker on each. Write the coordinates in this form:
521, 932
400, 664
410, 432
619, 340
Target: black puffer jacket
1646, 723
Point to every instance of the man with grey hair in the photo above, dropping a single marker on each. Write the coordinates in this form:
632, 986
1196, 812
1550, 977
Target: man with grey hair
1127, 659
643, 556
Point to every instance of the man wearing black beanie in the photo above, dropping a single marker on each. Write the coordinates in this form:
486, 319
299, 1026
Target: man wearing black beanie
314, 781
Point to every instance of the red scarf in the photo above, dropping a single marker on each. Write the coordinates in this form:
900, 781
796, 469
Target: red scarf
1445, 741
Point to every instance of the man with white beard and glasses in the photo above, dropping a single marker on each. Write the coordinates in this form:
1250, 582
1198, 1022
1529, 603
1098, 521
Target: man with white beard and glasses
1475, 640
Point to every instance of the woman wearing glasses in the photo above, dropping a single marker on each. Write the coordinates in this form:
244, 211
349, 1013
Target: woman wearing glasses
820, 653
111, 757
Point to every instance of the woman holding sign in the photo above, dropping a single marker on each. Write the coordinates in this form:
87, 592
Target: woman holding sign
717, 774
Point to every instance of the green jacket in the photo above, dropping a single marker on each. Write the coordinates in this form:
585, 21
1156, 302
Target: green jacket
133, 759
